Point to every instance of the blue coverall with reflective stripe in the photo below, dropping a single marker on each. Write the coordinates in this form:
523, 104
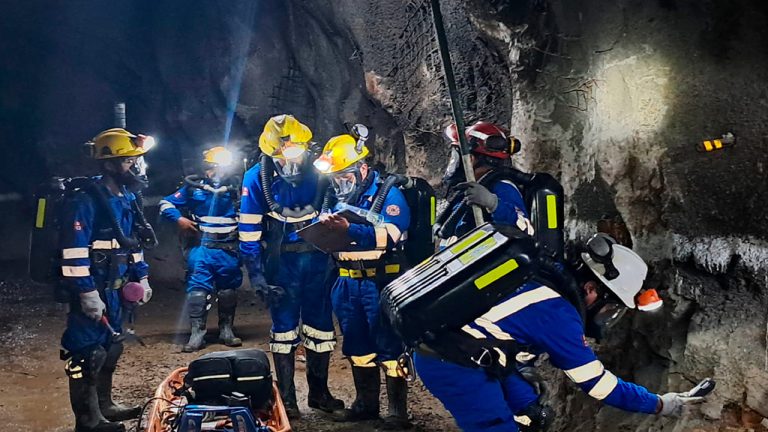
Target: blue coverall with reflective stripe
88, 247
301, 274
367, 337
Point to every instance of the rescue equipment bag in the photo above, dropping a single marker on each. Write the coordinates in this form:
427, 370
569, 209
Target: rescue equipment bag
459, 283
214, 376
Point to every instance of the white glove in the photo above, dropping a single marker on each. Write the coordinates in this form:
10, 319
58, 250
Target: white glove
672, 403
91, 305
147, 291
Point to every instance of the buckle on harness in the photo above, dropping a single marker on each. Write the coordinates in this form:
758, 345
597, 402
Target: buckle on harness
405, 366
485, 359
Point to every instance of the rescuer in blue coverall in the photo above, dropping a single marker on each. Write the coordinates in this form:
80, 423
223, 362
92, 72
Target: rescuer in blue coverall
289, 273
375, 259
213, 265
99, 255
538, 319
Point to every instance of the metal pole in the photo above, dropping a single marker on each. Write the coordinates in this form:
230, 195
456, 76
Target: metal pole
450, 80
120, 115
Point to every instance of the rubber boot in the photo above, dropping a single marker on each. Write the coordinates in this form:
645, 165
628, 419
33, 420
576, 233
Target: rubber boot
317, 380
197, 305
367, 387
111, 410
85, 404
197, 335
397, 397
227, 307
285, 366
226, 335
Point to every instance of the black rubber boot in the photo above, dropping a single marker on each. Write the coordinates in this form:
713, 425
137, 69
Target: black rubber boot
111, 410
197, 305
285, 366
227, 307
367, 387
397, 397
196, 336
83, 372
317, 380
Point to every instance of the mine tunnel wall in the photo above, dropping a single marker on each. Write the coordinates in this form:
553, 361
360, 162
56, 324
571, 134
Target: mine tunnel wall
610, 97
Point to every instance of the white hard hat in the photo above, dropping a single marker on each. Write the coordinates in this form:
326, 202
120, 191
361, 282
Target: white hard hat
625, 273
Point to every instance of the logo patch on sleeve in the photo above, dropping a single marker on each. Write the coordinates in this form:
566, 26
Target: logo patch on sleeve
393, 210
177, 194
78, 226
245, 191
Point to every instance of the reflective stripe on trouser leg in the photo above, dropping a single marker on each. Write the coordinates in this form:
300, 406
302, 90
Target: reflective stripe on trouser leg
317, 340
391, 369
283, 342
365, 361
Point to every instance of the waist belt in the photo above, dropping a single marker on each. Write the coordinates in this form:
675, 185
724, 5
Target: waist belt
298, 247
368, 272
230, 236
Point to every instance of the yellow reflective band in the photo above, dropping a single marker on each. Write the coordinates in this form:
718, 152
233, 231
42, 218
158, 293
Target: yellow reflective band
466, 242
364, 361
718, 144
359, 255
218, 220
502, 356
708, 145
477, 334
105, 244
496, 274
218, 230
381, 237
317, 334
73, 253
319, 347
391, 369
392, 268
76, 376
246, 236
75, 271
493, 329
285, 336
523, 420
292, 219
394, 232
282, 348
519, 302
551, 211
432, 210
475, 253
586, 372
40, 219
605, 386
250, 218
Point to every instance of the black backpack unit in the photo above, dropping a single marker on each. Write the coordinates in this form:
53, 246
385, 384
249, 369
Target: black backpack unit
215, 376
460, 283
543, 197
44, 248
422, 202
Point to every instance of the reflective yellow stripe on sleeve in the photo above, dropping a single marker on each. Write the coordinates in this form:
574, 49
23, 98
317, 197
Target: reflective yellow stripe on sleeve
73, 253
586, 372
605, 386
75, 271
249, 236
250, 218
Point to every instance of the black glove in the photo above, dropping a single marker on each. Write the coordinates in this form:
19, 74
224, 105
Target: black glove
477, 194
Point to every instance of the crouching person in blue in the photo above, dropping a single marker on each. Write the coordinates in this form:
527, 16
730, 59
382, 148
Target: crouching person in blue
99, 255
375, 258
286, 271
213, 263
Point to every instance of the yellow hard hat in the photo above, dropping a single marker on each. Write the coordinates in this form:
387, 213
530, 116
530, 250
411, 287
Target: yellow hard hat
218, 156
284, 131
340, 153
118, 142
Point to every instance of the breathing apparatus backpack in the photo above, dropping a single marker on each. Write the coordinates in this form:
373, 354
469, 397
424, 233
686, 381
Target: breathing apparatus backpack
543, 197
421, 200
45, 247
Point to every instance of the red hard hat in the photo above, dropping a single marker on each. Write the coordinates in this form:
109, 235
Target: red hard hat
490, 140
486, 139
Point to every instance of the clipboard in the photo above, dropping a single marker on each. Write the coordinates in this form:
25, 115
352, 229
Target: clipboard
328, 240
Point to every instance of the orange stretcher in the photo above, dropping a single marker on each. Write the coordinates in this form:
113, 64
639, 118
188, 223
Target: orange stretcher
167, 406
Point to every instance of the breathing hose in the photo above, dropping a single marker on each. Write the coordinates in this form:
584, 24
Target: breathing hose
102, 200
266, 174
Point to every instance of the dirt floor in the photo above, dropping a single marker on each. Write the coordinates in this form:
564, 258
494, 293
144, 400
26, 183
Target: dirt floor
34, 389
